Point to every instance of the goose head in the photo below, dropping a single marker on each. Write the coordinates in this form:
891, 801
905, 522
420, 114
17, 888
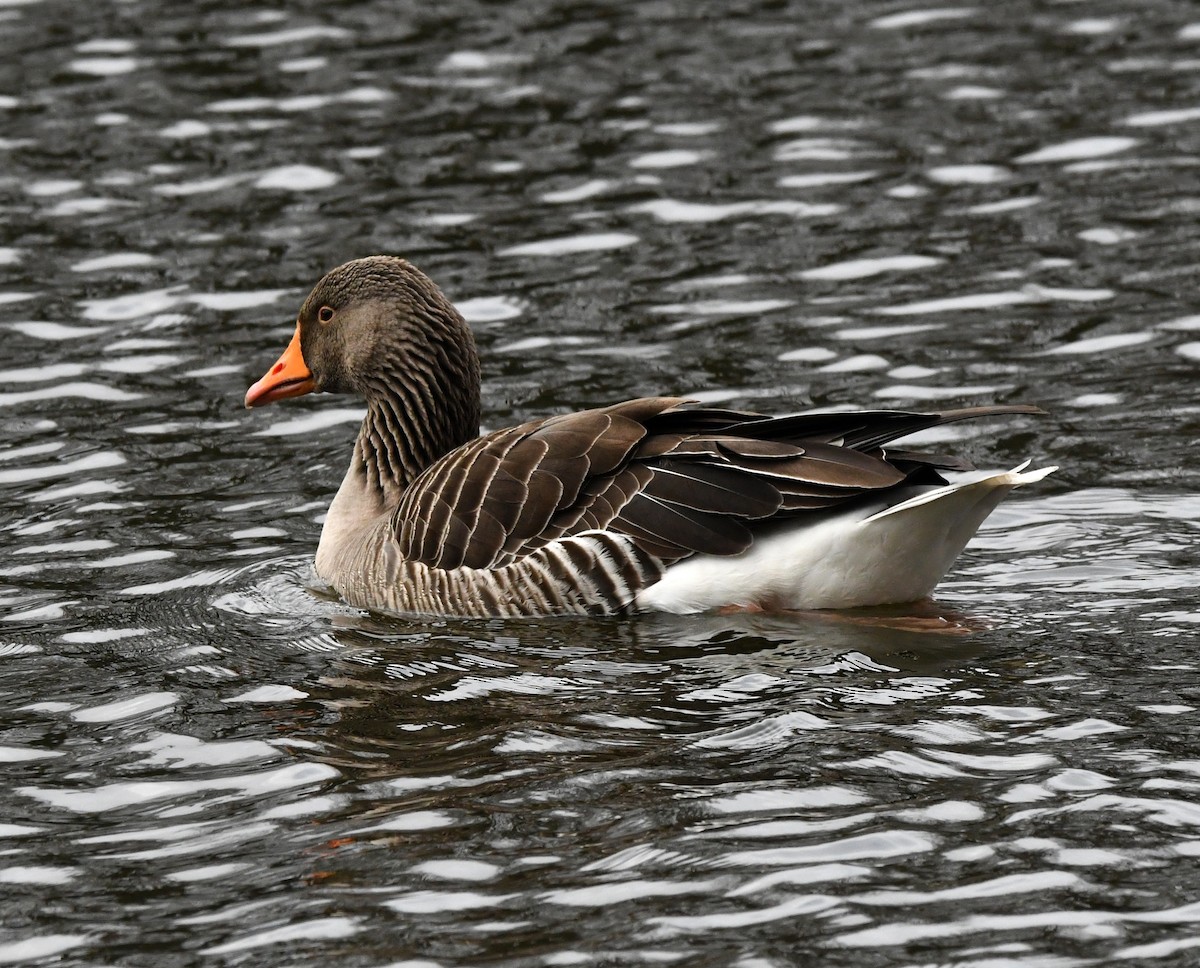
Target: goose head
380, 329
377, 328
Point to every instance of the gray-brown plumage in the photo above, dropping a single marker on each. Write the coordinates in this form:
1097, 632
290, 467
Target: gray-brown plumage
576, 513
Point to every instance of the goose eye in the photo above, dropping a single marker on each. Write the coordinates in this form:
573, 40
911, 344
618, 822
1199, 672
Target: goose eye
325, 314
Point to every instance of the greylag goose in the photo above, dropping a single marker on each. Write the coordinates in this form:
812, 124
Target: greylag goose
650, 504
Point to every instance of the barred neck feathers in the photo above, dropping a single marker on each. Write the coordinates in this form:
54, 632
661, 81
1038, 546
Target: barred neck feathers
381, 329
422, 402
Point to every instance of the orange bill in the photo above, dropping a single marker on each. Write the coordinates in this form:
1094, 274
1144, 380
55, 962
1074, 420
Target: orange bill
289, 377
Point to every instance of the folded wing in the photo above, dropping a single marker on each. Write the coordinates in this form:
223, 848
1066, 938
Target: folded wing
677, 480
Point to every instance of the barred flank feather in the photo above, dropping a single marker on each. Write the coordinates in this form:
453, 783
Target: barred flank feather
592, 573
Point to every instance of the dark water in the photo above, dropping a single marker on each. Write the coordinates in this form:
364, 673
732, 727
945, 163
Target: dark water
767, 204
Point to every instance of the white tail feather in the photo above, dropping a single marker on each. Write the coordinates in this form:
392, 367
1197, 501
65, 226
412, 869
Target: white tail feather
1008, 480
864, 557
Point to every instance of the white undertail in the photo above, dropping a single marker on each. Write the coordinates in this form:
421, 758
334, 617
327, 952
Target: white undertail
871, 555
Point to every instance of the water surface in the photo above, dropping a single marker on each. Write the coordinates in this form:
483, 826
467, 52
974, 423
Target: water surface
762, 205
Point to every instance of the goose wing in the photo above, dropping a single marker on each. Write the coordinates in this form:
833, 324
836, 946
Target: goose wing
677, 480
501, 496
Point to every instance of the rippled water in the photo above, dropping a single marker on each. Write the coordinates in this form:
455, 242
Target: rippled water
772, 205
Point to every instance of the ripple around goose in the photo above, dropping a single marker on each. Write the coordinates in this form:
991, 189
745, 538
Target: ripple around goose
649, 504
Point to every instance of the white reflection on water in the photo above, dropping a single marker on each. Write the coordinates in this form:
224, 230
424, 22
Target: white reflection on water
808, 354
320, 928
139, 343
147, 363
981, 300
85, 206
104, 66
207, 872
673, 158
297, 178
913, 392
52, 186
1102, 344
859, 364
86, 391
37, 374
973, 92
118, 260
135, 706
200, 186
29, 950
490, 309
187, 128
572, 244
90, 462
671, 210
114, 796
723, 307
287, 35
825, 179
823, 149
458, 870
1093, 26
230, 301
480, 60
1152, 119
268, 693
132, 305
865, 268
1095, 147
578, 193
884, 332
54, 330
1108, 236
1004, 205
1095, 400
812, 122
918, 18
313, 421
968, 174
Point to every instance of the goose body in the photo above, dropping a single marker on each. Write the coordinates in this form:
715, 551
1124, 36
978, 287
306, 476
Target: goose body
649, 504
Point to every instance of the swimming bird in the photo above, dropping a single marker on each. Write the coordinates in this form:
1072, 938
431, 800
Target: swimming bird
648, 504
